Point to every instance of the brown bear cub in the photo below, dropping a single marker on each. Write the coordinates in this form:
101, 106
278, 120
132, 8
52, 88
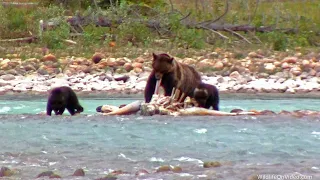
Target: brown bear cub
170, 74
61, 98
207, 95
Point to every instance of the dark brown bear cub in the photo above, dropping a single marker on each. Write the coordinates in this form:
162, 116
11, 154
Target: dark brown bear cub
171, 74
62, 98
207, 95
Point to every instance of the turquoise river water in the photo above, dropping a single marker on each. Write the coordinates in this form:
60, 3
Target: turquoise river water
244, 145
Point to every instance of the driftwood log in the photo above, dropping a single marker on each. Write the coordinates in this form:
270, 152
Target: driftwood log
104, 21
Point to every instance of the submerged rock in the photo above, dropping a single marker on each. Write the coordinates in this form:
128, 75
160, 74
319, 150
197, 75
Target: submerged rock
164, 168
79, 172
6, 172
284, 112
177, 169
54, 176
49, 174
45, 173
118, 172
141, 172
211, 164
267, 112
108, 177
236, 110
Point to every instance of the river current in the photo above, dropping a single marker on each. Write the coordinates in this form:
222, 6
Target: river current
244, 145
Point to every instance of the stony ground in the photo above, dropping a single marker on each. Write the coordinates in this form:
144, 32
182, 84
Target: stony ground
254, 72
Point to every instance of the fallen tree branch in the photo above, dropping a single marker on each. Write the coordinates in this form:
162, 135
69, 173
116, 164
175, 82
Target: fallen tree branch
185, 17
103, 21
25, 39
216, 32
238, 35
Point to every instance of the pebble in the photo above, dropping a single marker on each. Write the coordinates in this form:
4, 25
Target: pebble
291, 74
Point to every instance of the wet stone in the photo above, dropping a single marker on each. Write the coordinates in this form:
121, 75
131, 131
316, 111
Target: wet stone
79, 172
141, 172
6, 172
164, 168
108, 177
45, 173
211, 164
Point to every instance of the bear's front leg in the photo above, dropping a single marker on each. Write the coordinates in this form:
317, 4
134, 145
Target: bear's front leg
150, 87
49, 110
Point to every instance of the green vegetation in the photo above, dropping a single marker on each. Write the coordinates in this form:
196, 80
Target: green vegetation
297, 24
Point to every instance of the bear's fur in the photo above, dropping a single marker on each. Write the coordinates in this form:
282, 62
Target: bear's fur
61, 98
207, 95
173, 74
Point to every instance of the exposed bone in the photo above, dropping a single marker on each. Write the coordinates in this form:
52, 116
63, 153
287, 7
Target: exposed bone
171, 105
182, 97
203, 111
176, 95
108, 108
128, 109
158, 83
173, 91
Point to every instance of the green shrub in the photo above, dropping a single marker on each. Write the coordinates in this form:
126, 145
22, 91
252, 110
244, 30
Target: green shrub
152, 3
17, 19
3, 21
68, 4
187, 37
280, 41
52, 11
93, 34
191, 38
277, 40
135, 33
54, 38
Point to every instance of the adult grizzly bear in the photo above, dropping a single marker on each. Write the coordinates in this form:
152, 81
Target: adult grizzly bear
169, 73
62, 98
207, 95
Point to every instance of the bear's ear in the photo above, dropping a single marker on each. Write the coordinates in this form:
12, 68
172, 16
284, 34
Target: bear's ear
154, 56
170, 60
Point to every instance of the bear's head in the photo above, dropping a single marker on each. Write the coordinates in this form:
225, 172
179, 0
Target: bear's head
201, 95
162, 64
57, 99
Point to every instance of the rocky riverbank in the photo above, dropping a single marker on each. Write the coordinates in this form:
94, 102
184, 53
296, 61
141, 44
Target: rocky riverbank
255, 72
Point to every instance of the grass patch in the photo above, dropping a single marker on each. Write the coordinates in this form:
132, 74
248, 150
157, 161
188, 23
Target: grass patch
133, 35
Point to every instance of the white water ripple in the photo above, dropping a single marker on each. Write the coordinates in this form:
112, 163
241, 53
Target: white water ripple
154, 159
45, 137
5, 109
200, 131
188, 159
125, 157
19, 107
